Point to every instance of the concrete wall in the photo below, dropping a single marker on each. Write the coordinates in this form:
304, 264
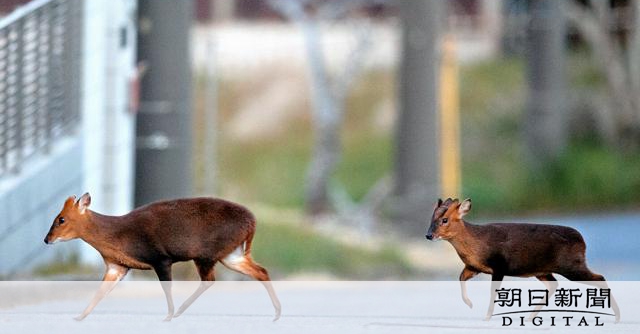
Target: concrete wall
108, 131
30, 201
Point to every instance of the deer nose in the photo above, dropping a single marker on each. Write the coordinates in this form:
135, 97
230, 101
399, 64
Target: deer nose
429, 236
46, 241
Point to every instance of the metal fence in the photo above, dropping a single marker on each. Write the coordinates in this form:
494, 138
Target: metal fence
40, 66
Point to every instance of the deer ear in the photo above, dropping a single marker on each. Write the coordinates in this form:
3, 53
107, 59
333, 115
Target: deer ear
437, 204
69, 201
464, 207
84, 202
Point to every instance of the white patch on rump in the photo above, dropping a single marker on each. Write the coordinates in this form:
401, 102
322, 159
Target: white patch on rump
235, 257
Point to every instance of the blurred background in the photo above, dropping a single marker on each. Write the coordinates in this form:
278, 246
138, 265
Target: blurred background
338, 122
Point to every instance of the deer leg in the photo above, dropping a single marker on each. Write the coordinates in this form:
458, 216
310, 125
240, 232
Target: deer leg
113, 274
163, 270
465, 275
245, 265
496, 281
586, 276
207, 277
551, 284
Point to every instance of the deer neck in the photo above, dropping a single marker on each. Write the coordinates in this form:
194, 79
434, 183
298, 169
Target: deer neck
99, 231
466, 243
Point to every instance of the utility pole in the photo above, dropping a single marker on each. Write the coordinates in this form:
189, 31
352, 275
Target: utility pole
545, 118
163, 129
417, 160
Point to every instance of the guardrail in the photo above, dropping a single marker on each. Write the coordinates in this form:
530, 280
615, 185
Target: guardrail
40, 63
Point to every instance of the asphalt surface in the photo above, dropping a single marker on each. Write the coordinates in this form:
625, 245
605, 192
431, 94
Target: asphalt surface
308, 307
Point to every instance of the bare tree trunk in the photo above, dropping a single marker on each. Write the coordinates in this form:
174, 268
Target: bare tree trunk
328, 95
634, 59
327, 116
634, 44
545, 118
210, 145
325, 157
417, 172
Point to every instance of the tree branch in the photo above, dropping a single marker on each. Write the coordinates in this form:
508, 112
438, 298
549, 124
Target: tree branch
607, 52
355, 62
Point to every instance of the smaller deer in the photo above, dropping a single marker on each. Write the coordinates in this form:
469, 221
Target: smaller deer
521, 250
205, 230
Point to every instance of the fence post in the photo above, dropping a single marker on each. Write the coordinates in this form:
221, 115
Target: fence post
4, 101
20, 105
74, 38
67, 54
45, 44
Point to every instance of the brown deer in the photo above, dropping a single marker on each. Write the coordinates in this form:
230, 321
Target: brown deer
154, 236
521, 250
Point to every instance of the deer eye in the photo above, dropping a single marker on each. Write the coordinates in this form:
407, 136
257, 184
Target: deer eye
60, 220
445, 220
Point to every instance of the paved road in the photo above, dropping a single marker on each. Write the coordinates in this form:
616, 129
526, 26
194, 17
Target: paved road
308, 307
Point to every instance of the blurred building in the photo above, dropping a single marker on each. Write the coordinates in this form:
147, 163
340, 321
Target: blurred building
7, 6
472, 11
207, 10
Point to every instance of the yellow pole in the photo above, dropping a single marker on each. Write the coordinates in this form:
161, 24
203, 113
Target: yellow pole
449, 120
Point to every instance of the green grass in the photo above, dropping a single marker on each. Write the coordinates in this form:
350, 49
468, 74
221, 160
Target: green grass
287, 248
584, 179
266, 172
592, 178
364, 162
